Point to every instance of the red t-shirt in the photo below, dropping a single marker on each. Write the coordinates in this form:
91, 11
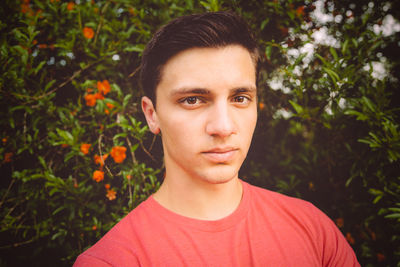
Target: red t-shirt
267, 229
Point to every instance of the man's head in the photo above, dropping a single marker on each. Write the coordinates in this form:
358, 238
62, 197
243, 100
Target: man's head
215, 29
204, 76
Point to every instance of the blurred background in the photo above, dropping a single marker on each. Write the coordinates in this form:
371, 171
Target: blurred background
76, 155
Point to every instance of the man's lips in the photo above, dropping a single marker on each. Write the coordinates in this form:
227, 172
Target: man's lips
220, 155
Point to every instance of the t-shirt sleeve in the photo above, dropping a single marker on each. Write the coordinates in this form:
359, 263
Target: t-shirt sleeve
336, 249
113, 249
106, 260
87, 261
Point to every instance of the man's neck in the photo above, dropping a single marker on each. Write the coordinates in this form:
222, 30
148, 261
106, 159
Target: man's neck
199, 199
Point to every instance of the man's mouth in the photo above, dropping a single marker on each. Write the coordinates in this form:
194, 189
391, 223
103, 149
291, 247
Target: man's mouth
220, 154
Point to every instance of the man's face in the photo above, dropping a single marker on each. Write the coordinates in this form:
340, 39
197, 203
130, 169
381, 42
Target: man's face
206, 111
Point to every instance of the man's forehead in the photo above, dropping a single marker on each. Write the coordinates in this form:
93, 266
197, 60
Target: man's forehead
189, 70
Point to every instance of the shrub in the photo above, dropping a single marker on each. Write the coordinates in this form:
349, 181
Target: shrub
76, 155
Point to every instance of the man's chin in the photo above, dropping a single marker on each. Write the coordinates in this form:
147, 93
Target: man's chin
220, 176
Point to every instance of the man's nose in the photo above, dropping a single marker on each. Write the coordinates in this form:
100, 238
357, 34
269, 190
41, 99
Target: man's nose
221, 121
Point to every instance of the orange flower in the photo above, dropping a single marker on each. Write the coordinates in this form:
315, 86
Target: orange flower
89, 90
41, 46
88, 32
99, 96
34, 42
132, 11
98, 176
339, 222
261, 105
350, 239
107, 186
94, 227
90, 99
64, 145
118, 154
300, 11
103, 87
110, 106
373, 235
100, 160
4, 140
8, 157
85, 148
128, 177
311, 186
111, 194
25, 8
39, 13
381, 257
70, 6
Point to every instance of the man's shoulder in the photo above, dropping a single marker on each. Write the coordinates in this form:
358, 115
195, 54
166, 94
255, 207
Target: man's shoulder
274, 198
291, 218
284, 208
115, 247
126, 228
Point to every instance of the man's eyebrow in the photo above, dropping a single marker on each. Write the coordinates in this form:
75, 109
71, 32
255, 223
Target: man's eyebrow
186, 91
244, 89
204, 91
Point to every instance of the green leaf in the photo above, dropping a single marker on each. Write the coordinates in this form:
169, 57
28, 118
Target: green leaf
134, 147
321, 58
377, 198
134, 48
345, 46
333, 52
126, 100
394, 209
299, 109
39, 67
65, 136
268, 50
393, 216
360, 116
334, 76
58, 210
53, 191
123, 135
355, 43
300, 58
42, 162
49, 84
264, 23
23, 53
58, 234
368, 103
26, 108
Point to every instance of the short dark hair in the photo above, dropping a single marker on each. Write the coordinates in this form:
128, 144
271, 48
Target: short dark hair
212, 29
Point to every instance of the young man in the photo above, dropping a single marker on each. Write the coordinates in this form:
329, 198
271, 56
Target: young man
199, 74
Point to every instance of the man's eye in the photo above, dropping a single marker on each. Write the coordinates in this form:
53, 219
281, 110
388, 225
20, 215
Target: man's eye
241, 99
191, 100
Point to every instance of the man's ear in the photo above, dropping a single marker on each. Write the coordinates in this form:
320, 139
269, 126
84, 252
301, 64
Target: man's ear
150, 114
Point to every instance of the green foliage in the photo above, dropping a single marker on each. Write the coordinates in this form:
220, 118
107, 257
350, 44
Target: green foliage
328, 127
